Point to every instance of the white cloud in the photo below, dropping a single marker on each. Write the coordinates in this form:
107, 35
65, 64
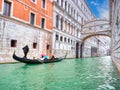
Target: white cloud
104, 13
94, 3
103, 10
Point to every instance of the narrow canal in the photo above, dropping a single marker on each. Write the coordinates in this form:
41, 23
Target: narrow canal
98, 73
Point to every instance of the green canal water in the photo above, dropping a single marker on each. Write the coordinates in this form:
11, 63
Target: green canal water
98, 73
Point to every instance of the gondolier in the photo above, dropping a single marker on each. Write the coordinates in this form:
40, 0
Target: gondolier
25, 50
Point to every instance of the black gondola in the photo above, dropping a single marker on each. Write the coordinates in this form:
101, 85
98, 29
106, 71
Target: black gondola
37, 61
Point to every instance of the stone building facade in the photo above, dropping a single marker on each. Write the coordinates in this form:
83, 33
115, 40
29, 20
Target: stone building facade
46, 26
69, 17
25, 22
115, 25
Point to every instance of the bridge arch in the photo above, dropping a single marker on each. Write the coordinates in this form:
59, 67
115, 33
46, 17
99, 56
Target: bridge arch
92, 35
87, 37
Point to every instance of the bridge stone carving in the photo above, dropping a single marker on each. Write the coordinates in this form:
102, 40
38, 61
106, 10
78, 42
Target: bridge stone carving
96, 27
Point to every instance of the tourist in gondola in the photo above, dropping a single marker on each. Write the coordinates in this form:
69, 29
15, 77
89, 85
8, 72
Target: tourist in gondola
44, 57
52, 57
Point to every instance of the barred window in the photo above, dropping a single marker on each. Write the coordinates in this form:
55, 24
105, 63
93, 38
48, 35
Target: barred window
13, 43
34, 45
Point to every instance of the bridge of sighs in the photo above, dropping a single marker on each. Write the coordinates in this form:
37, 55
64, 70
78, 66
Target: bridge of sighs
96, 27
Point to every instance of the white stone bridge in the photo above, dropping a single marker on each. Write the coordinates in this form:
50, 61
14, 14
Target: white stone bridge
96, 27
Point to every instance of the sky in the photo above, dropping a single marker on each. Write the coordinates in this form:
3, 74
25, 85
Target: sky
100, 8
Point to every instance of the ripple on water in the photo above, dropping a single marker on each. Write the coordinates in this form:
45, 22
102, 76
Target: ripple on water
106, 87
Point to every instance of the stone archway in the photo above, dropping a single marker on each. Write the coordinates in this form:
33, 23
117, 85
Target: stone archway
92, 35
87, 37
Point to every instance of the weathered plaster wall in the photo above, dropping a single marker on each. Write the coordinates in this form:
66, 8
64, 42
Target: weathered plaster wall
25, 35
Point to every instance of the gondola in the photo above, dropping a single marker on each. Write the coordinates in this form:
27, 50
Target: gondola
37, 61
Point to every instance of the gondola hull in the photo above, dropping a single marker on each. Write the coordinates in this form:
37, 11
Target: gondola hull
36, 61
